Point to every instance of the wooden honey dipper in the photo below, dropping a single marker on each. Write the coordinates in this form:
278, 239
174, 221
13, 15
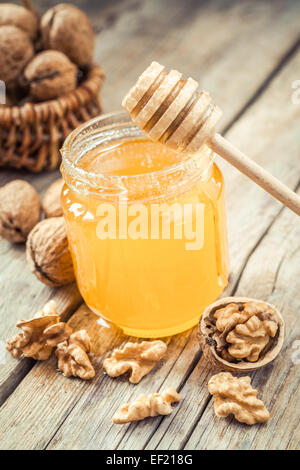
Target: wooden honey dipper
169, 109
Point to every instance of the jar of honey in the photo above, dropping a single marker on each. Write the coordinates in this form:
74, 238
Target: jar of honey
146, 227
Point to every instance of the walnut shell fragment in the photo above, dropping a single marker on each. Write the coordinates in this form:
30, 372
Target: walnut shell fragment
233, 395
67, 29
138, 358
19, 210
40, 334
51, 201
47, 252
19, 16
147, 406
72, 355
240, 334
50, 74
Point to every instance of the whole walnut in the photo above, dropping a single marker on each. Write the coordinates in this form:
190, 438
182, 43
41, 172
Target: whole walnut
19, 210
19, 16
50, 74
48, 254
16, 49
51, 201
67, 29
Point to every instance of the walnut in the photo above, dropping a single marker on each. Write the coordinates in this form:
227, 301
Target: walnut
48, 254
40, 334
72, 356
138, 358
16, 49
67, 29
238, 333
21, 17
51, 202
50, 74
19, 210
250, 338
233, 395
146, 406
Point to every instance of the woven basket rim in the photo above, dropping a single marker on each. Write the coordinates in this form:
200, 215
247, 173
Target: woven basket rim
56, 108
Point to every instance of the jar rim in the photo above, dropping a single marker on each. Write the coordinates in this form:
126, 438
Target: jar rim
120, 117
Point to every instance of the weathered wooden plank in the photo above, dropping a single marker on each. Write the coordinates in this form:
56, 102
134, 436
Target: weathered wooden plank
230, 47
246, 203
23, 301
184, 24
275, 120
272, 273
236, 232
244, 238
97, 416
96, 395
48, 394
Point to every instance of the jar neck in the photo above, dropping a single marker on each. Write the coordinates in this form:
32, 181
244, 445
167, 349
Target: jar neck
156, 185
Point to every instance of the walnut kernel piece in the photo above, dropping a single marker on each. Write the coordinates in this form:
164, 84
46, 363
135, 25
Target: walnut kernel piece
73, 359
50, 74
237, 333
233, 395
139, 358
67, 29
147, 406
40, 334
48, 254
250, 338
51, 201
19, 210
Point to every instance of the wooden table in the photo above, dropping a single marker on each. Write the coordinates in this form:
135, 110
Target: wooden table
247, 54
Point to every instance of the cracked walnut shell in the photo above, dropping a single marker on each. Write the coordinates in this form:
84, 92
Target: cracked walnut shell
67, 29
147, 406
241, 334
233, 395
19, 210
51, 201
40, 334
50, 74
138, 358
48, 254
72, 356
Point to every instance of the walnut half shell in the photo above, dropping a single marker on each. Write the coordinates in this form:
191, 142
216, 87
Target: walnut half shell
240, 334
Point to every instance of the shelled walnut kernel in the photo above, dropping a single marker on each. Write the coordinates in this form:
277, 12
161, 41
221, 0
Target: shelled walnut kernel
138, 358
147, 405
233, 395
40, 334
72, 355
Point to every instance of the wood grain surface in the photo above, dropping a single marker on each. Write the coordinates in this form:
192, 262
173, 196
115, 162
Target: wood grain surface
247, 54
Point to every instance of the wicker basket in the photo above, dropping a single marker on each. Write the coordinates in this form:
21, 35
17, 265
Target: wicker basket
32, 134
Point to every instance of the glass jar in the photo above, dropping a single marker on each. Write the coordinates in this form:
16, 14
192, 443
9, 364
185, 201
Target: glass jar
146, 227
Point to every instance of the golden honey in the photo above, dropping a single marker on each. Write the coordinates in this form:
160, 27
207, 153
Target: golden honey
146, 226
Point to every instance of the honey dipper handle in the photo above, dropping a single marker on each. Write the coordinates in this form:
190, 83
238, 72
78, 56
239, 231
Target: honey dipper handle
254, 171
